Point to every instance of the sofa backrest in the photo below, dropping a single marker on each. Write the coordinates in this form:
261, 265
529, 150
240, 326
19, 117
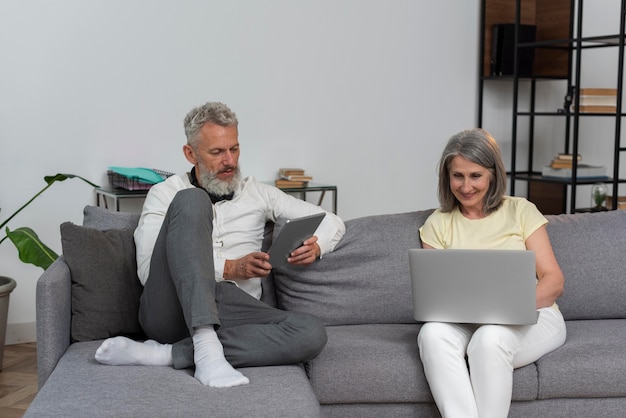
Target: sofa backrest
365, 280
591, 250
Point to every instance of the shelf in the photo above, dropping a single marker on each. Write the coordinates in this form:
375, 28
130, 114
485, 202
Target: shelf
586, 42
590, 210
523, 78
537, 177
599, 41
556, 54
557, 113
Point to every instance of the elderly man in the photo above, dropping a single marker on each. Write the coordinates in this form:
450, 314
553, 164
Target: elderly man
199, 258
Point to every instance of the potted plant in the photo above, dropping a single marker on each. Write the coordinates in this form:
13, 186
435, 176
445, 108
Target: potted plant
31, 250
598, 197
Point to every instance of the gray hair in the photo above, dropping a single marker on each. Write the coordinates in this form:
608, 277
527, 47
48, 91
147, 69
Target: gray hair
478, 147
212, 112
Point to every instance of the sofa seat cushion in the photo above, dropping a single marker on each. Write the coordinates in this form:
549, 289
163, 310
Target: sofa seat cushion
379, 363
590, 364
80, 387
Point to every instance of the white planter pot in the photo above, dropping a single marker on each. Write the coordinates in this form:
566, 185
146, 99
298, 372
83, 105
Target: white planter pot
6, 287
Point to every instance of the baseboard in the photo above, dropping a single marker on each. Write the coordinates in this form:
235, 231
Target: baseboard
25, 332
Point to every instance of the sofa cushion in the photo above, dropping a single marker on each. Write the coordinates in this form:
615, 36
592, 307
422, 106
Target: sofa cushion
589, 365
105, 287
365, 280
80, 387
384, 360
590, 249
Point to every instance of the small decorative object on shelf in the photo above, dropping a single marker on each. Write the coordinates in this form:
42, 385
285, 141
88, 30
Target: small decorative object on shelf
599, 192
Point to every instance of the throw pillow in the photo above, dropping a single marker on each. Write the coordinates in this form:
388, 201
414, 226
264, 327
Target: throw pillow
101, 218
105, 286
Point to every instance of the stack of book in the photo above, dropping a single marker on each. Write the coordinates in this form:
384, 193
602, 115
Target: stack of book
561, 167
597, 100
292, 177
564, 161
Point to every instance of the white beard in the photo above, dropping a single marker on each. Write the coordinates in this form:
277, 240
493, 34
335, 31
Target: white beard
209, 181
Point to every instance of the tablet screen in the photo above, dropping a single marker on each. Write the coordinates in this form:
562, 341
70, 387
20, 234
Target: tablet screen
291, 236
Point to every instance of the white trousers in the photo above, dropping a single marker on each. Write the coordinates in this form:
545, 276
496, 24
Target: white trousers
481, 386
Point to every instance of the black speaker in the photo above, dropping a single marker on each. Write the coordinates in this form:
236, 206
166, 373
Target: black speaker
503, 47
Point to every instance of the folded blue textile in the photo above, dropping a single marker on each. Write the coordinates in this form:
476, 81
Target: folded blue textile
145, 175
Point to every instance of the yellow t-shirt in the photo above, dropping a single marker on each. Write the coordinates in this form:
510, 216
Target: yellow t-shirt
507, 228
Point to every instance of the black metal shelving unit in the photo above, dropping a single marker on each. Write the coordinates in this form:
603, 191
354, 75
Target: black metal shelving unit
571, 49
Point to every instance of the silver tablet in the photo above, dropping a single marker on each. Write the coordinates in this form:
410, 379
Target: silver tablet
291, 236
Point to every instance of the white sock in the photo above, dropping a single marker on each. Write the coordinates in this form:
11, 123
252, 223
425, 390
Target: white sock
212, 369
122, 351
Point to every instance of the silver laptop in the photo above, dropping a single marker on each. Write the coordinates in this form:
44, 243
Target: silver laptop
474, 286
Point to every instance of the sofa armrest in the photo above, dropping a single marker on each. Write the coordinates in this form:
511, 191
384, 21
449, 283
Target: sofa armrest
54, 315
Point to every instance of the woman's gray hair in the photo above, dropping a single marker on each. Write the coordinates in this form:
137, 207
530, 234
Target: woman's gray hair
212, 112
478, 147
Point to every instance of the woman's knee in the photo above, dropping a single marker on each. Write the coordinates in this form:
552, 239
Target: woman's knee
437, 341
489, 341
433, 334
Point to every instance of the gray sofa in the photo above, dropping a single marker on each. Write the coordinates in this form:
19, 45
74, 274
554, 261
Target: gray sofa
370, 366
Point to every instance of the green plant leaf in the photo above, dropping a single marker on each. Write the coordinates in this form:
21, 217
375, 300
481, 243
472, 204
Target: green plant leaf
63, 177
31, 249
50, 180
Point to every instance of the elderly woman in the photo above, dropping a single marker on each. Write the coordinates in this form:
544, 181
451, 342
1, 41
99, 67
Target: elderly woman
469, 367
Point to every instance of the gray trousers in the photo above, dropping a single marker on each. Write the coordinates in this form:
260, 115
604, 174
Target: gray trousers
181, 294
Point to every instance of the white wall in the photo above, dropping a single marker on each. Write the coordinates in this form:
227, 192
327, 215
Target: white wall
360, 93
